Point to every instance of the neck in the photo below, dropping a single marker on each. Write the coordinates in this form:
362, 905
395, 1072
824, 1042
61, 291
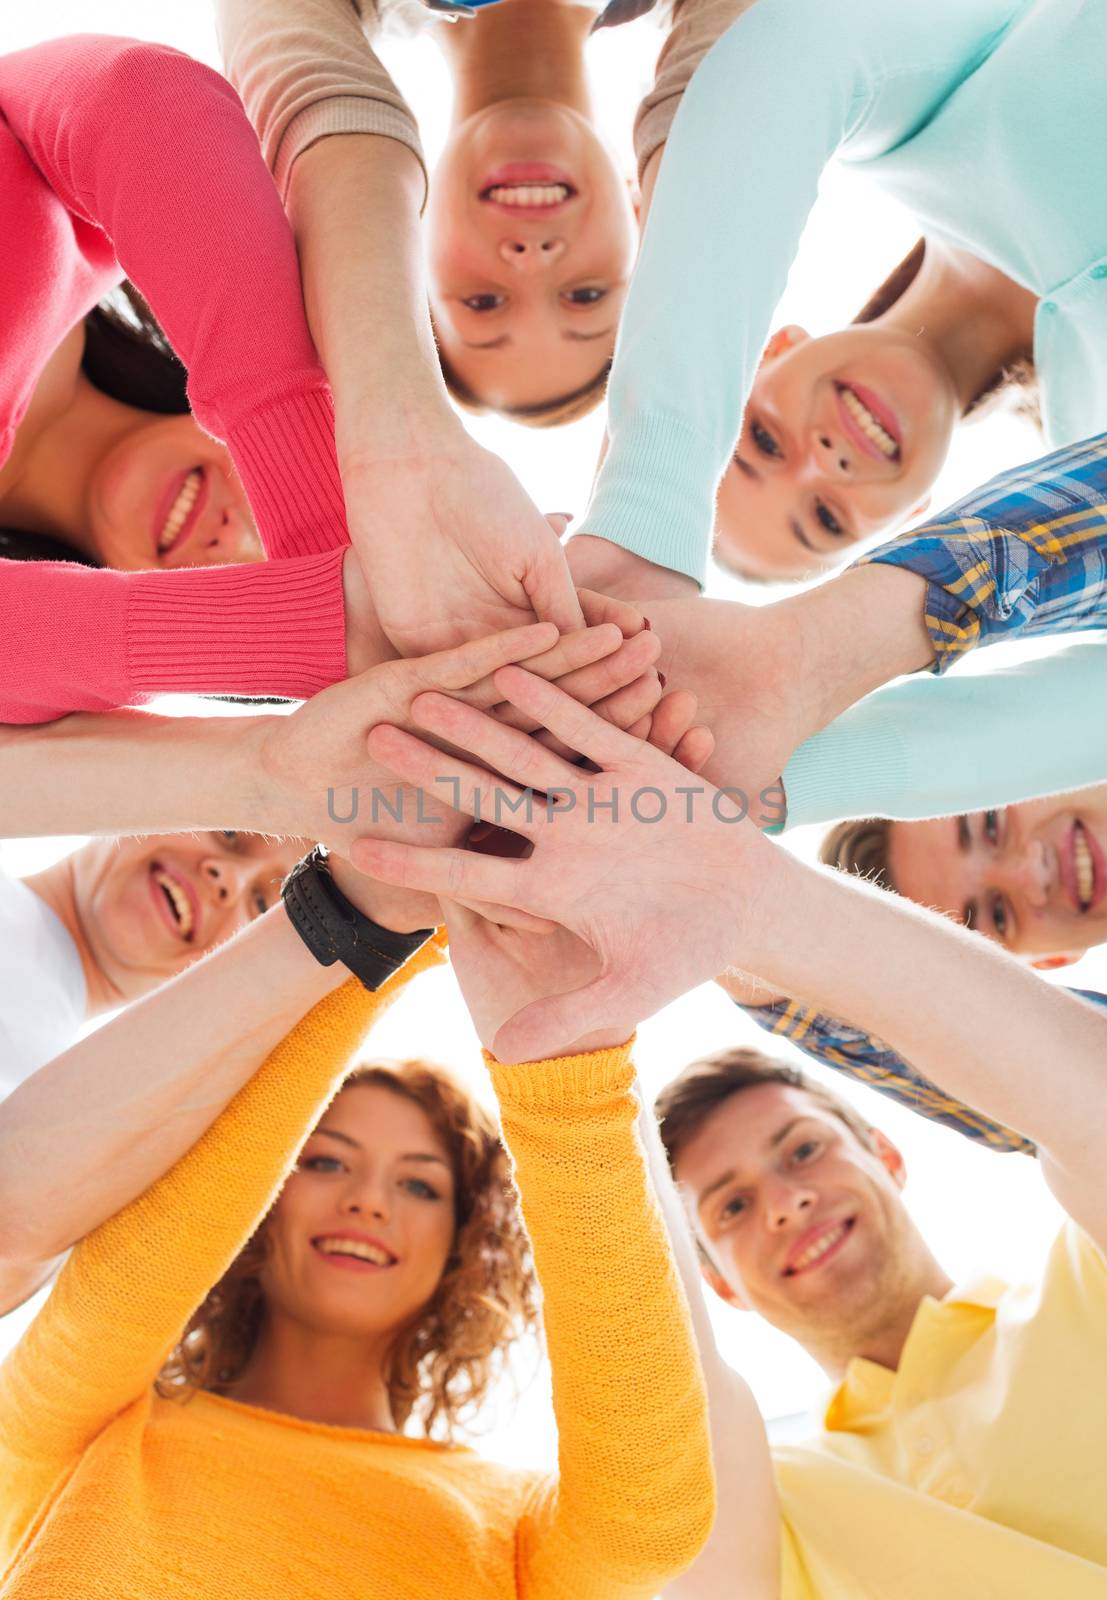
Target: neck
883, 1339
57, 886
327, 1378
974, 318
519, 50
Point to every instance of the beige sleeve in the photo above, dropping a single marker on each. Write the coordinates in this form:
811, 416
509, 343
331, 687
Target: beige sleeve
697, 24
306, 69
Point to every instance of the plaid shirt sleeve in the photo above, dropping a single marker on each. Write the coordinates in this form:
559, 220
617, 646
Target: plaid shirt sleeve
850, 1050
1025, 555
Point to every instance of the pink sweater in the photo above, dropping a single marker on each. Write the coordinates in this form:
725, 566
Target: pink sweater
125, 159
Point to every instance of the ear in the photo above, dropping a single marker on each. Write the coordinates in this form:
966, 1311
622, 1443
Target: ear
1053, 963
785, 339
889, 1156
635, 194
722, 1288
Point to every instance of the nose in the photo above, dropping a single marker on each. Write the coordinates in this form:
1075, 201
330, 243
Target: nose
1027, 872
786, 1203
232, 542
531, 255
226, 880
832, 456
366, 1196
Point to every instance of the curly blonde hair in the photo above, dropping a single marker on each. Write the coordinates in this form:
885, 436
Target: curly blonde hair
442, 1363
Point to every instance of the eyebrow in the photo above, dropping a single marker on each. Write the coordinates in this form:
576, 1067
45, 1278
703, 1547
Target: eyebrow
412, 1155
721, 1182
584, 338
489, 344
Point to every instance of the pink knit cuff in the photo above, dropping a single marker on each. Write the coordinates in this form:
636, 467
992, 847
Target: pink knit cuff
284, 453
277, 628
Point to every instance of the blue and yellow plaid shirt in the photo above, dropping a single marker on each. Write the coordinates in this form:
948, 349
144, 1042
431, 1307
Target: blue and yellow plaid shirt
1024, 556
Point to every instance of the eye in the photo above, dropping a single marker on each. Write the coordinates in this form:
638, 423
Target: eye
828, 519
764, 440
584, 297
991, 826
806, 1151
319, 1164
260, 904
228, 835
733, 1207
1000, 920
421, 1189
484, 302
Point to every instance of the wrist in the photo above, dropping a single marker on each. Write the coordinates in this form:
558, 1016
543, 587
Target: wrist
600, 564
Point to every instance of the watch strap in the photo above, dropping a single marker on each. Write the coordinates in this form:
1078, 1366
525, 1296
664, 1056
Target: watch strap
334, 929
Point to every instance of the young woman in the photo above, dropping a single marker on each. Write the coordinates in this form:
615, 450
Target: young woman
979, 118
267, 1456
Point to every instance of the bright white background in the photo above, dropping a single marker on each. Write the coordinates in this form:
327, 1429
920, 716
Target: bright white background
981, 1211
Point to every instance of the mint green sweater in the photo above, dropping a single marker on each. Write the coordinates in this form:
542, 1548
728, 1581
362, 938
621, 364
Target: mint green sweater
987, 118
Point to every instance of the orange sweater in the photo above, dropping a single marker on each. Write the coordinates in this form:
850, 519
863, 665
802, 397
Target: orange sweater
107, 1490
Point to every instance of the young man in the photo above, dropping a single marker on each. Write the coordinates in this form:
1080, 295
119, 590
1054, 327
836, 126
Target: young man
967, 1453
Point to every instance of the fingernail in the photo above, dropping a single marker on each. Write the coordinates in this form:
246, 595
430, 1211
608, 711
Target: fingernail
662, 679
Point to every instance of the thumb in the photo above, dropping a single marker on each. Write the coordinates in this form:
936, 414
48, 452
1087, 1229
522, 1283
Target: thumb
559, 521
592, 1018
550, 589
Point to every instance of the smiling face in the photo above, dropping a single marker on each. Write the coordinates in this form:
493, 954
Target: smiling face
361, 1234
842, 438
531, 240
167, 495
1032, 875
149, 907
799, 1220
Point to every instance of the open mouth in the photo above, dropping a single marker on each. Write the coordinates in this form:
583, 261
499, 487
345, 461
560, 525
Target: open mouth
528, 186
177, 515
361, 1254
870, 424
175, 902
1088, 880
826, 1243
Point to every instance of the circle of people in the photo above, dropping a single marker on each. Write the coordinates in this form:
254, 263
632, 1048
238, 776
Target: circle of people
242, 325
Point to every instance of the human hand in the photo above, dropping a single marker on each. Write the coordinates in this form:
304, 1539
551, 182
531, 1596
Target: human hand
599, 564
657, 875
453, 546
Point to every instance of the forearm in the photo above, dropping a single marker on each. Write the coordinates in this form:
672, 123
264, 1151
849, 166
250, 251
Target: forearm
609, 1289
354, 205
969, 1018
95, 1127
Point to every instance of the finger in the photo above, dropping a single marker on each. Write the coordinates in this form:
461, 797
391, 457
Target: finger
593, 684
571, 653
467, 663
605, 608
549, 1027
559, 521
456, 874
456, 782
641, 728
696, 748
674, 715
549, 586
504, 750
634, 702
508, 917
575, 725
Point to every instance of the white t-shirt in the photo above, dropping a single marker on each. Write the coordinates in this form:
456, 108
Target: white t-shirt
42, 986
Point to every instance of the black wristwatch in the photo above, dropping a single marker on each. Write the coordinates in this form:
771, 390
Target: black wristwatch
335, 930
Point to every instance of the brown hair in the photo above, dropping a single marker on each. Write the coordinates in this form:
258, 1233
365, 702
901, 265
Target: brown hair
1019, 379
685, 1104
860, 845
541, 414
441, 1364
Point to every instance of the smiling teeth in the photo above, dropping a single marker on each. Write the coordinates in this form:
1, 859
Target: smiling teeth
1085, 867
178, 900
819, 1248
529, 194
355, 1247
179, 510
868, 423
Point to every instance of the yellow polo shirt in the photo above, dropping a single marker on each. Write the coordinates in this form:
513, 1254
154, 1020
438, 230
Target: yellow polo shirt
979, 1467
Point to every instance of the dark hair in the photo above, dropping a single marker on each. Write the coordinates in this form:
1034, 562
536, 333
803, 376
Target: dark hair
685, 1104
542, 413
1017, 380
860, 845
127, 357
